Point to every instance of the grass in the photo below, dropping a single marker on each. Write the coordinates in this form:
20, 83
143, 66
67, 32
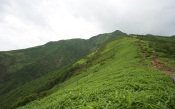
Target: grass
161, 48
112, 78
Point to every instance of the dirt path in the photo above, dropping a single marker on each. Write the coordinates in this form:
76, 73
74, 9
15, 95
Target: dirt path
157, 65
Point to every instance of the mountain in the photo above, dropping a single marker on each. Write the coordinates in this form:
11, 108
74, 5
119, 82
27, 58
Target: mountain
19, 67
110, 70
117, 75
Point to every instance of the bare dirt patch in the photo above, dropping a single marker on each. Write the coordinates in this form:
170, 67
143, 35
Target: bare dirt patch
158, 65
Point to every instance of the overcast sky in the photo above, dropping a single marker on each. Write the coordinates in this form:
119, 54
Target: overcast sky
27, 23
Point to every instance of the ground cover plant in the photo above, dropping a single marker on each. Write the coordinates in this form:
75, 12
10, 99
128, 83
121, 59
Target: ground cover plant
114, 76
29, 74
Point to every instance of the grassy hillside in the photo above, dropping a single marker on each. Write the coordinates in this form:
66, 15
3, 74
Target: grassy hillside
27, 74
21, 66
33, 63
161, 51
114, 76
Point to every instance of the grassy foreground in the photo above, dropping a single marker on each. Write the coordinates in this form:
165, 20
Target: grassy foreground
115, 76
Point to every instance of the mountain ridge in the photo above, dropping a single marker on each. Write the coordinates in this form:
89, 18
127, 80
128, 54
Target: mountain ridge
78, 60
23, 66
113, 77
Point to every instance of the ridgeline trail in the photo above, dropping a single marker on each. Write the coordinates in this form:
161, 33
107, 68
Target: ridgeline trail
157, 65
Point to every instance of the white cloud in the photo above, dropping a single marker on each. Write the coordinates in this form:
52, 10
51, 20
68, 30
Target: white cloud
27, 23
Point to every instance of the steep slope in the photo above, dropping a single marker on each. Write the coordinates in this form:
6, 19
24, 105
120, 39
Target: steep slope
41, 60
20, 69
21, 66
114, 76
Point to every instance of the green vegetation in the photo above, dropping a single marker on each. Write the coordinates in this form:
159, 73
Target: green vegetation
161, 48
111, 70
114, 76
160, 44
26, 75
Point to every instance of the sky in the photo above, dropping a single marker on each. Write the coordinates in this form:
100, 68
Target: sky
28, 23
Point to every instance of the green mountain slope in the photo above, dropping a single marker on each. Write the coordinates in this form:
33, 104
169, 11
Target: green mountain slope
28, 73
161, 50
21, 66
41, 60
114, 76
